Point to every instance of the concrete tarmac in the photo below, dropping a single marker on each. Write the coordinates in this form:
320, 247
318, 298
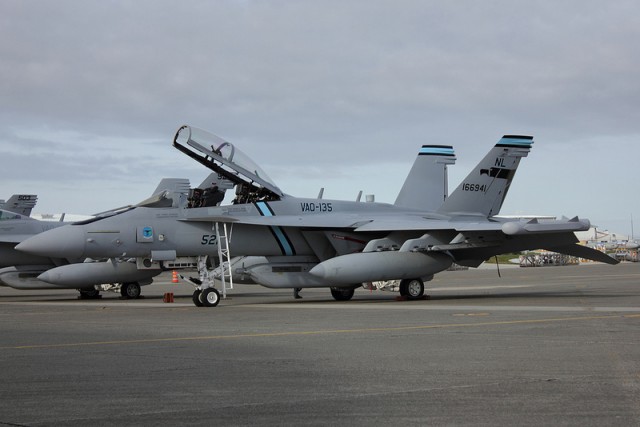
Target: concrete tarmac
539, 346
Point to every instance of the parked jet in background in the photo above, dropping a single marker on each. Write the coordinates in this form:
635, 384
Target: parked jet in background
21, 204
324, 243
56, 271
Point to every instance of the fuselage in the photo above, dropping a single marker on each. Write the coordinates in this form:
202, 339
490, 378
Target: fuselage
143, 232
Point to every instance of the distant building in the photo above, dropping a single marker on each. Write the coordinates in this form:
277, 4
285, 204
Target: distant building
595, 235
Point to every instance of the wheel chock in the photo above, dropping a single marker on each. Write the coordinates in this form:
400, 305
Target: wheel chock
423, 297
168, 297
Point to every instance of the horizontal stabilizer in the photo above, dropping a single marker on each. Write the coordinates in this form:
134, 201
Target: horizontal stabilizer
584, 252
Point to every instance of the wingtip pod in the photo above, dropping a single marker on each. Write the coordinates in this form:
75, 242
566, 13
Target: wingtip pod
534, 226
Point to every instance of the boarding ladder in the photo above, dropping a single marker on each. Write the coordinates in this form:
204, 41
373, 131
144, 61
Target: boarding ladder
224, 256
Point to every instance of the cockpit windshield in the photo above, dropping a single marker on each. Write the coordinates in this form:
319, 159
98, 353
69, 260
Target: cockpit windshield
231, 157
233, 154
6, 215
103, 215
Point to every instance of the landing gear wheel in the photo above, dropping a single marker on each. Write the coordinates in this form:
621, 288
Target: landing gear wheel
210, 297
130, 290
342, 294
196, 298
89, 293
413, 289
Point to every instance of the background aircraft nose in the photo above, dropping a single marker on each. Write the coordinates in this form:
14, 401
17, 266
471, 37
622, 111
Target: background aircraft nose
62, 242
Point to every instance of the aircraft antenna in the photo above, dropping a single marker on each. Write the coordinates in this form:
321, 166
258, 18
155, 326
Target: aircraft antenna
498, 267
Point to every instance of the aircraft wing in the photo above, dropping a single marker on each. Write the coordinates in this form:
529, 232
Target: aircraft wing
424, 224
580, 251
381, 223
475, 239
312, 221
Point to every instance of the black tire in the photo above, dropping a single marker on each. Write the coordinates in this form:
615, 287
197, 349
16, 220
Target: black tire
342, 294
210, 297
89, 293
130, 290
413, 289
196, 298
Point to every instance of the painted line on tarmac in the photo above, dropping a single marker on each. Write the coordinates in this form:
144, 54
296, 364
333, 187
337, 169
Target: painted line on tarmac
333, 305
479, 288
415, 305
320, 332
97, 304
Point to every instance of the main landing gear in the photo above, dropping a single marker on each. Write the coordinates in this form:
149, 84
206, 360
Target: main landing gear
89, 293
208, 297
412, 289
205, 295
130, 290
342, 294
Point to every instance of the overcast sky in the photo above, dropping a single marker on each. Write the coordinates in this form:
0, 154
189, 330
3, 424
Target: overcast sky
334, 94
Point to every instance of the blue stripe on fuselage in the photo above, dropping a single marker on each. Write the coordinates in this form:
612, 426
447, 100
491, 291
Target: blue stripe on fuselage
264, 209
278, 233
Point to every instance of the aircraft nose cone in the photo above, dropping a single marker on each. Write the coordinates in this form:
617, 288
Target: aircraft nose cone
62, 242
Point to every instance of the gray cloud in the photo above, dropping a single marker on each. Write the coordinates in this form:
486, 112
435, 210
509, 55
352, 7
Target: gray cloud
317, 90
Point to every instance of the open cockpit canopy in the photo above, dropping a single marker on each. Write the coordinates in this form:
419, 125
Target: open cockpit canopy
252, 183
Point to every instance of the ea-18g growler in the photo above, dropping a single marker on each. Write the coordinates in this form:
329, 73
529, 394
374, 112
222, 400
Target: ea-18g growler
327, 243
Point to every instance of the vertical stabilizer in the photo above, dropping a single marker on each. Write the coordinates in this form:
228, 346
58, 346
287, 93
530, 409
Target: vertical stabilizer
483, 191
172, 185
21, 204
169, 192
426, 186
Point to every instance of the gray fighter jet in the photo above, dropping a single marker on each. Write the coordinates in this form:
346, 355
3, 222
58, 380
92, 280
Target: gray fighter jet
21, 204
24, 271
326, 243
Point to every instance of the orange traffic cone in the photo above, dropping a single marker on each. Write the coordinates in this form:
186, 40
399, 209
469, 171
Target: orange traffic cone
174, 279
